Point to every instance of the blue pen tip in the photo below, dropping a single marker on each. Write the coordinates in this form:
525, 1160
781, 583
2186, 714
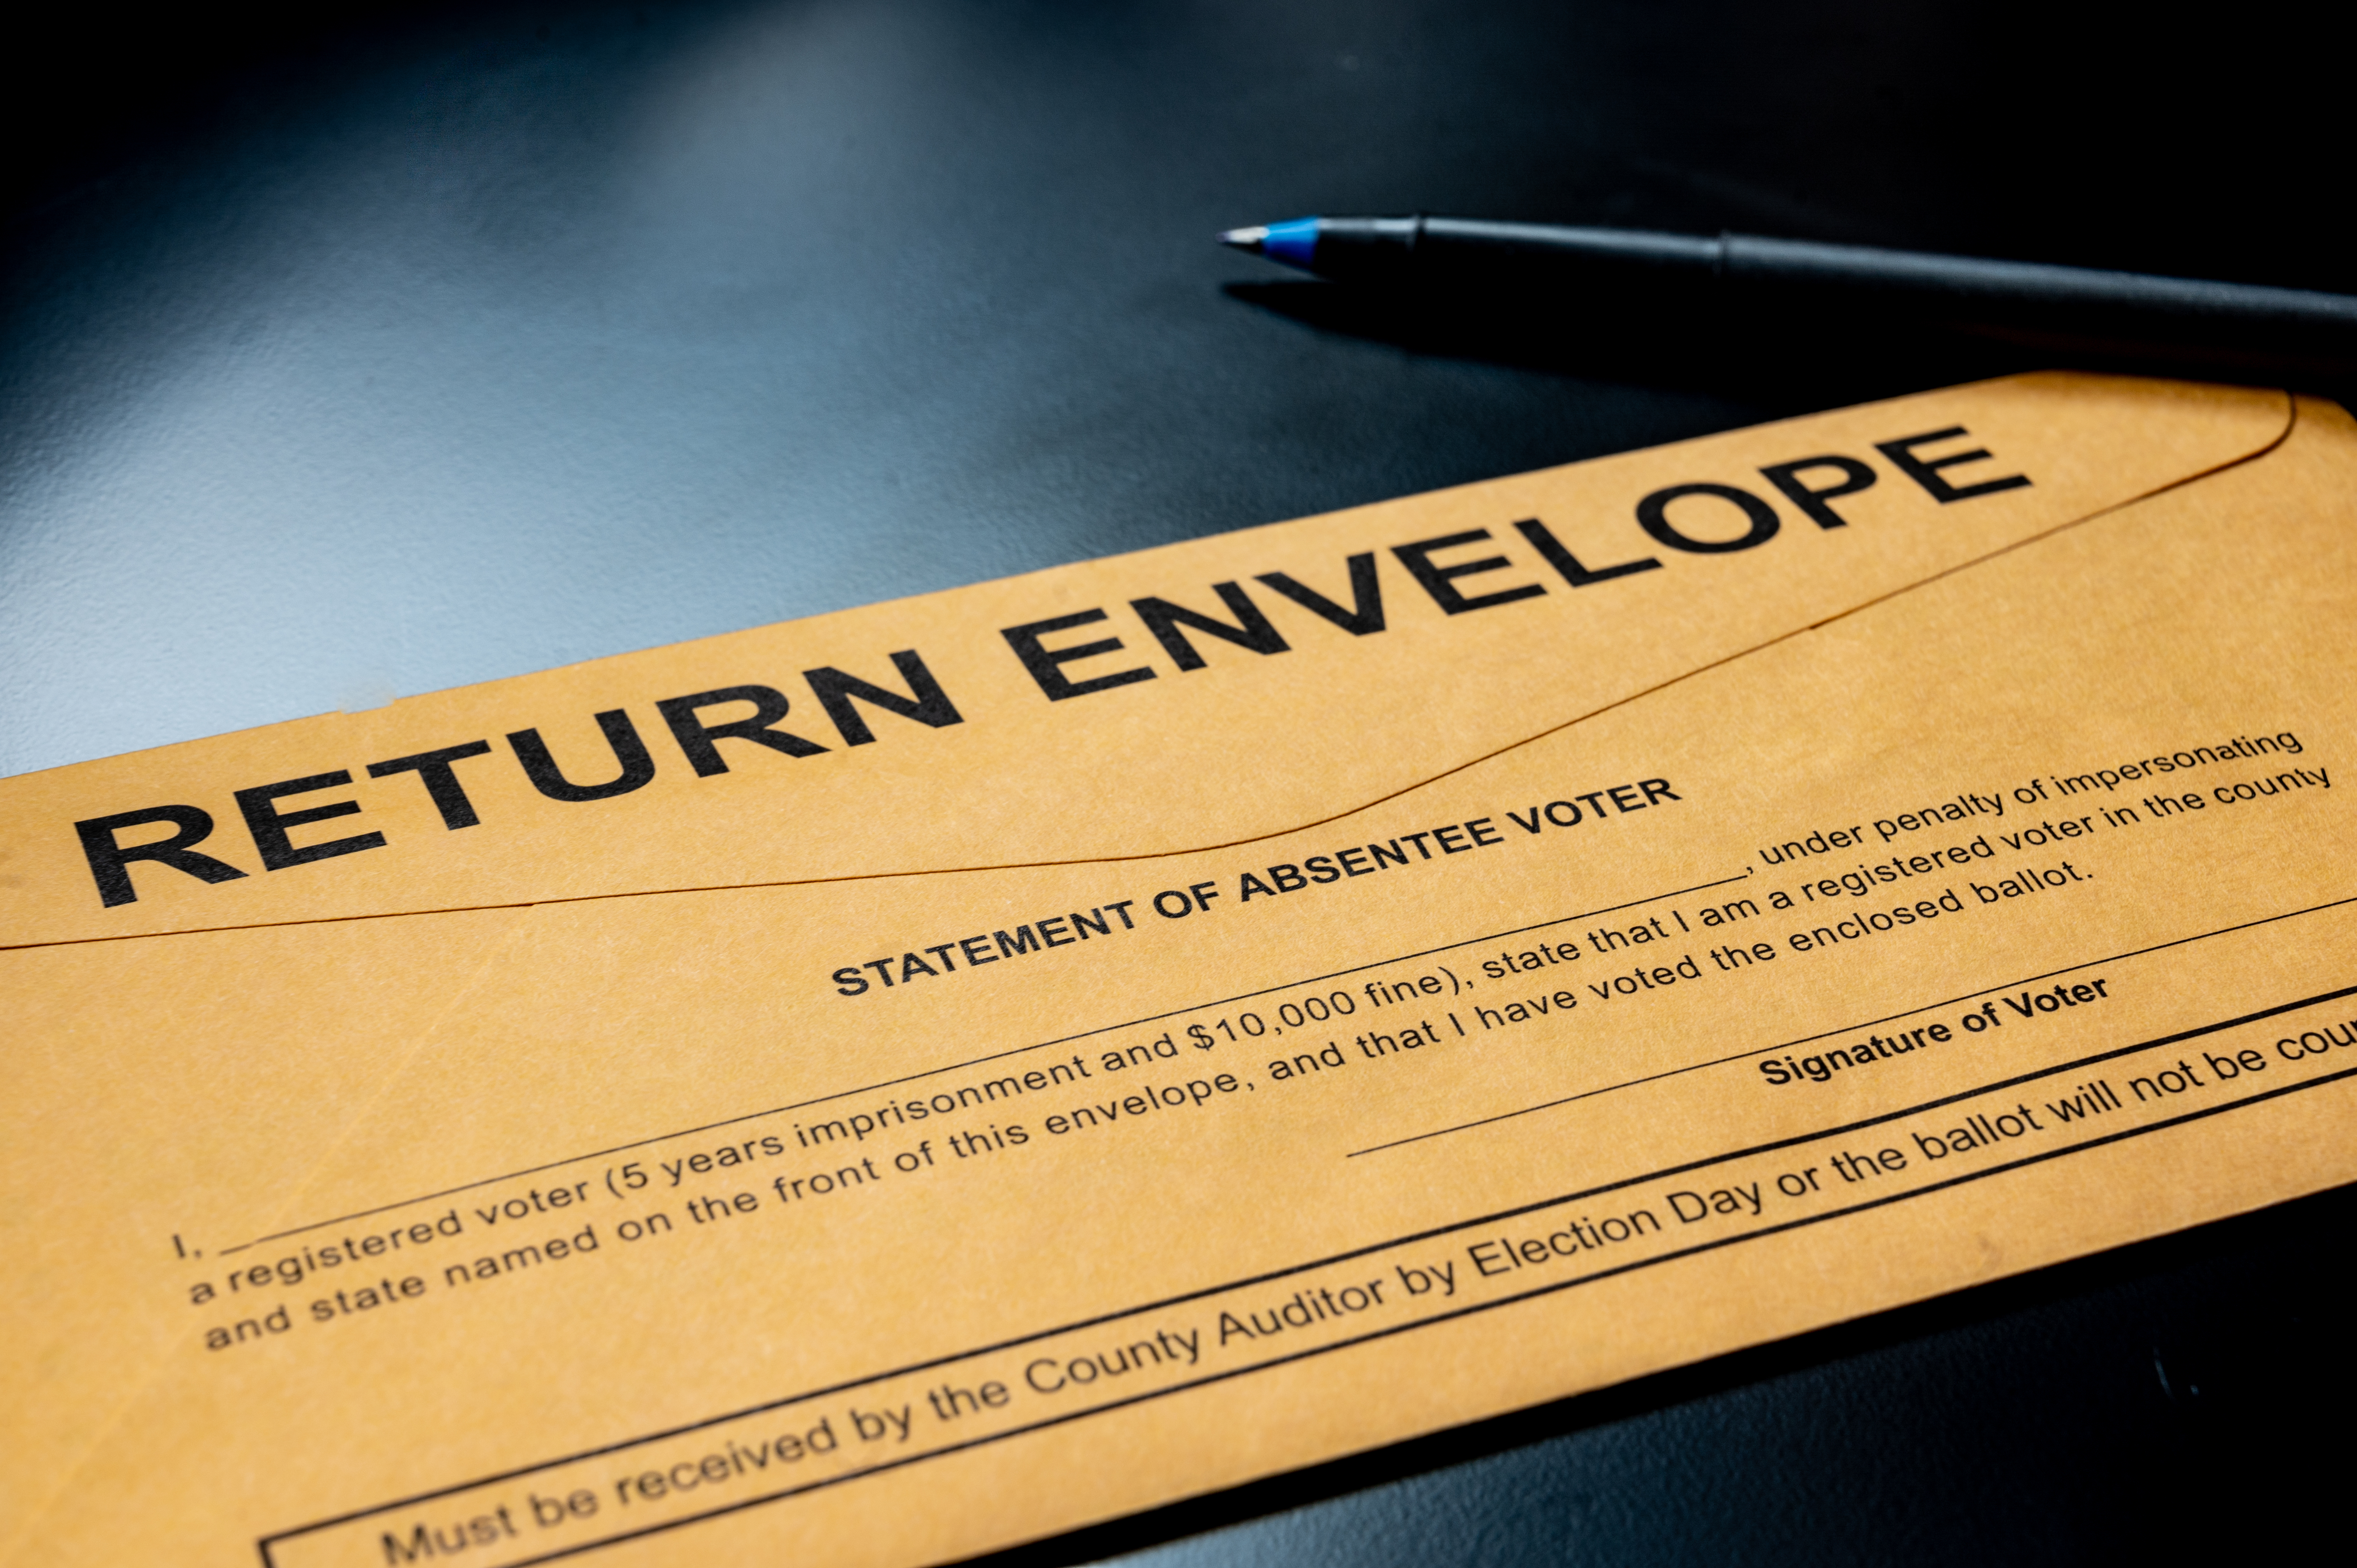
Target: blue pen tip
1293, 242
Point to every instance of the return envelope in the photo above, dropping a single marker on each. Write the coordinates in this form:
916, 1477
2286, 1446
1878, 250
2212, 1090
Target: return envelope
567, 932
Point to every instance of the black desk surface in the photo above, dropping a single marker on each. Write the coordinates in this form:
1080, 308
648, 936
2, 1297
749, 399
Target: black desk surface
346, 356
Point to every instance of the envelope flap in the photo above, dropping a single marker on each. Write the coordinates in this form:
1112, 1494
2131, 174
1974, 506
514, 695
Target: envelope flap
1107, 709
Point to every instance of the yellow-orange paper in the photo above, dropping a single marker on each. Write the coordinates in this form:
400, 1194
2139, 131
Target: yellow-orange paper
921, 1143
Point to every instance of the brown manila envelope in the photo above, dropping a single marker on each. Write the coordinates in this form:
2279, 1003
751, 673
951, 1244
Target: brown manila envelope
896, 1084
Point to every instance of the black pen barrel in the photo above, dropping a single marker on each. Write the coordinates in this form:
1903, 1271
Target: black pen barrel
1473, 252
2225, 323
2038, 298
